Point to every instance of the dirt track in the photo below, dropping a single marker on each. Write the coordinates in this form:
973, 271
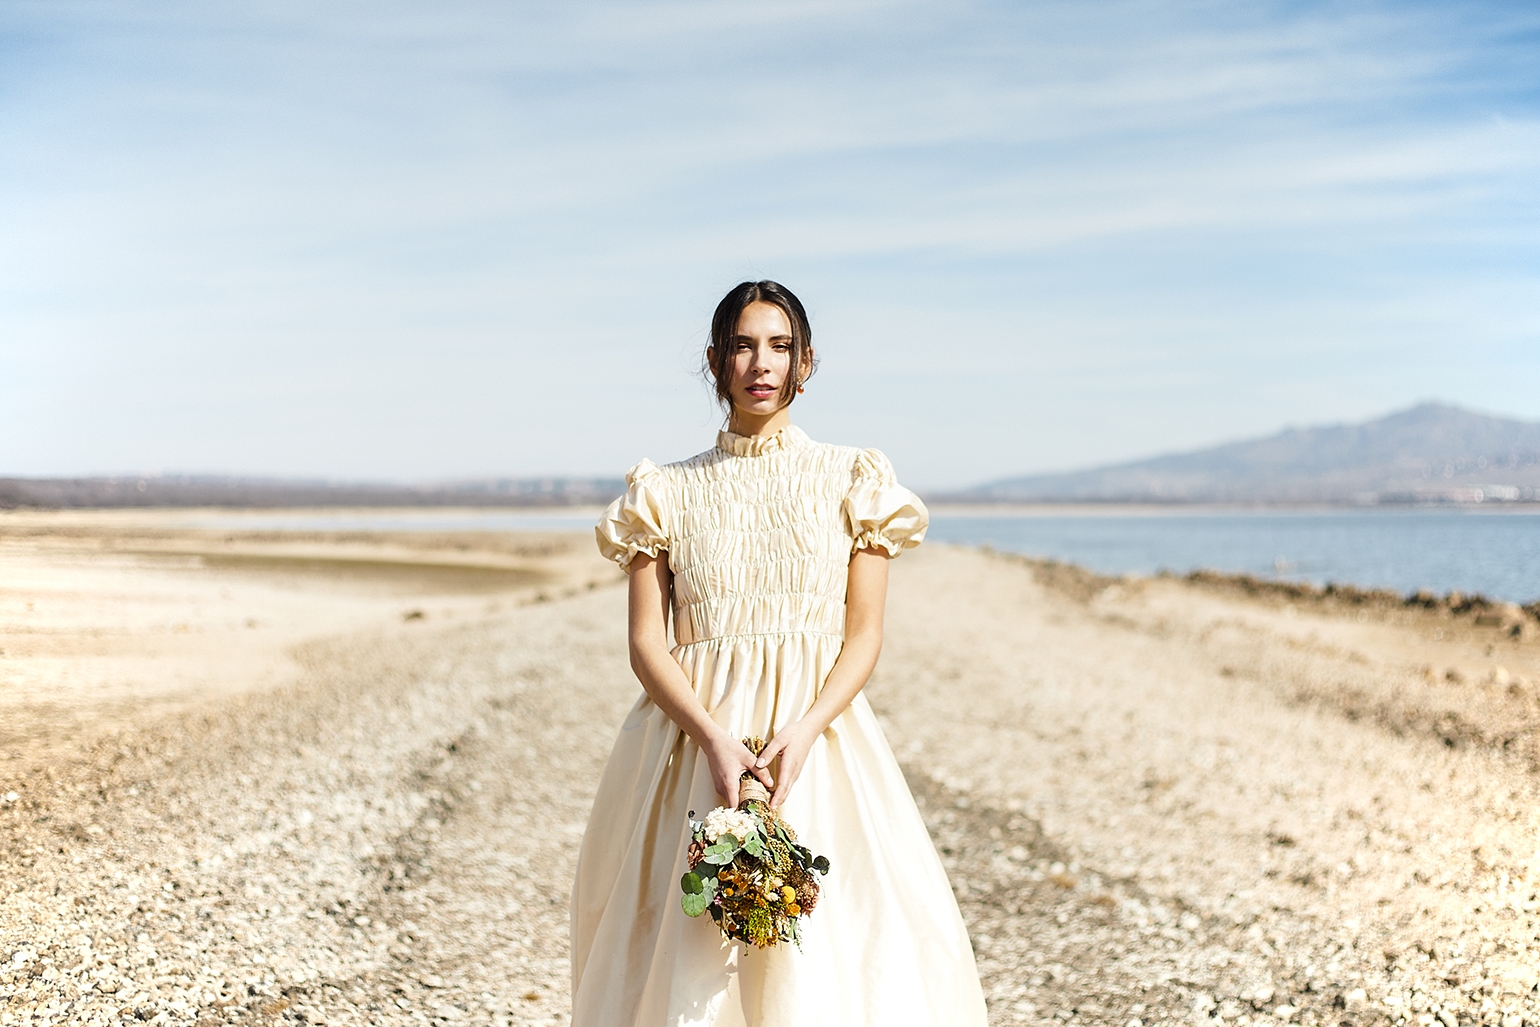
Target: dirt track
1159, 801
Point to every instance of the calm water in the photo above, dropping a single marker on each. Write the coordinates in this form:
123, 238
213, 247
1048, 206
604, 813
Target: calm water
1496, 554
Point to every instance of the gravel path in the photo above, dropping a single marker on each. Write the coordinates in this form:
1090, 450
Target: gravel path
1159, 803
388, 841
1170, 803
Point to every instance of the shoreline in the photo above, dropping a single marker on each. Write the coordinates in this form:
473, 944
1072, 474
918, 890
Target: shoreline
1507, 619
187, 516
1118, 509
326, 525
941, 504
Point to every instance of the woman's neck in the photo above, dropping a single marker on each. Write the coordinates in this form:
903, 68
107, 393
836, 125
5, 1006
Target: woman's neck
740, 422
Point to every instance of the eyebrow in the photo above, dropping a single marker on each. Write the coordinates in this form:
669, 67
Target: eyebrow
773, 338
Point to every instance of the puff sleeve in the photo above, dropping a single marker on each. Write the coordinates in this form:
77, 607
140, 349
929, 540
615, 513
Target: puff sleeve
634, 523
880, 512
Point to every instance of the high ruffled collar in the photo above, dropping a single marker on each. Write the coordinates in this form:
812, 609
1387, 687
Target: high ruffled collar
788, 437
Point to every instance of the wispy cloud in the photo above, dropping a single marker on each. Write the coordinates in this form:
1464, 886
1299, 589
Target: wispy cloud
391, 240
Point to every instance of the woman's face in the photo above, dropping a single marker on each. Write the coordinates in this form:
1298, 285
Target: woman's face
760, 361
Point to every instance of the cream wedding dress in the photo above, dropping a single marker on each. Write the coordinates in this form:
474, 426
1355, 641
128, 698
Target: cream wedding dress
759, 533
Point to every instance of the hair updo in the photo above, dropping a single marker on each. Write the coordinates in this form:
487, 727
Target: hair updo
724, 329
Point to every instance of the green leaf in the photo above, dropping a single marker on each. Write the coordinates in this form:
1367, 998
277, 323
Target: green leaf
691, 883
821, 864
720, 854
753, 846
694, 905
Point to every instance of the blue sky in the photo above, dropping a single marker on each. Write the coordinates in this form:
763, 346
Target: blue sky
415, 242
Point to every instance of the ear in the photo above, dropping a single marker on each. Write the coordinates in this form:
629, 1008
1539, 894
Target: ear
806, 366
711, 356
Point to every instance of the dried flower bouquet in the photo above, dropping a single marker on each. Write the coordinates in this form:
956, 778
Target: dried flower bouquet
747, 870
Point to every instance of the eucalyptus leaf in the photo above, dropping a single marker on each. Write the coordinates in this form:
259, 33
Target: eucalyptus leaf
691, 883
821, 864
694, 904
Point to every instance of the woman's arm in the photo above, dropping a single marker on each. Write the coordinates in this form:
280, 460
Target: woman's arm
865, 596
665, 681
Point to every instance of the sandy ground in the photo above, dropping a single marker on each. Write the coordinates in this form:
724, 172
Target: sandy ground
256, 777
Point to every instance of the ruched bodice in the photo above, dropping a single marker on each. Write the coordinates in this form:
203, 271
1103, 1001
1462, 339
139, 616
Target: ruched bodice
758, 533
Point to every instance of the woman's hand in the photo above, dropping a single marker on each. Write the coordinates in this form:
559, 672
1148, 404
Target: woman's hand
791, 744
730, 759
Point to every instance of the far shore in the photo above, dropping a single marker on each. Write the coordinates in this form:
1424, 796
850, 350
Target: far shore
189, 516
124, 514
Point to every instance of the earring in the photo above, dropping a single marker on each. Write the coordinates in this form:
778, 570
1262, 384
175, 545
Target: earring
800, 389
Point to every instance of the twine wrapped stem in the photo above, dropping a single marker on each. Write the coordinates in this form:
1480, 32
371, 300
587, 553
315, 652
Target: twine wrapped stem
750, 788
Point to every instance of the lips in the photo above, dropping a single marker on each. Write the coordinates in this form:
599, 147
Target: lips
761, 391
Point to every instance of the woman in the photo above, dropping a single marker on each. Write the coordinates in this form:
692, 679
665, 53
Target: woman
771, 553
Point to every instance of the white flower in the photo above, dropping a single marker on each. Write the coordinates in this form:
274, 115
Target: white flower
722, 821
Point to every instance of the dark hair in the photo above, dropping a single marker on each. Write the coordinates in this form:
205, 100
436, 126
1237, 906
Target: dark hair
724, 329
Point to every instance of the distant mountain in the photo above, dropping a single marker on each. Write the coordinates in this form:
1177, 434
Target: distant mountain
1430, 453
209, 490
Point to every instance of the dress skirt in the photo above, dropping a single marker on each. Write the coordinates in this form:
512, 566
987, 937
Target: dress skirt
886, 943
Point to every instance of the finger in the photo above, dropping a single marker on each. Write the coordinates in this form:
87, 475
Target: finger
770, 752
786, 775
730, 793
752, 769
788, 778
